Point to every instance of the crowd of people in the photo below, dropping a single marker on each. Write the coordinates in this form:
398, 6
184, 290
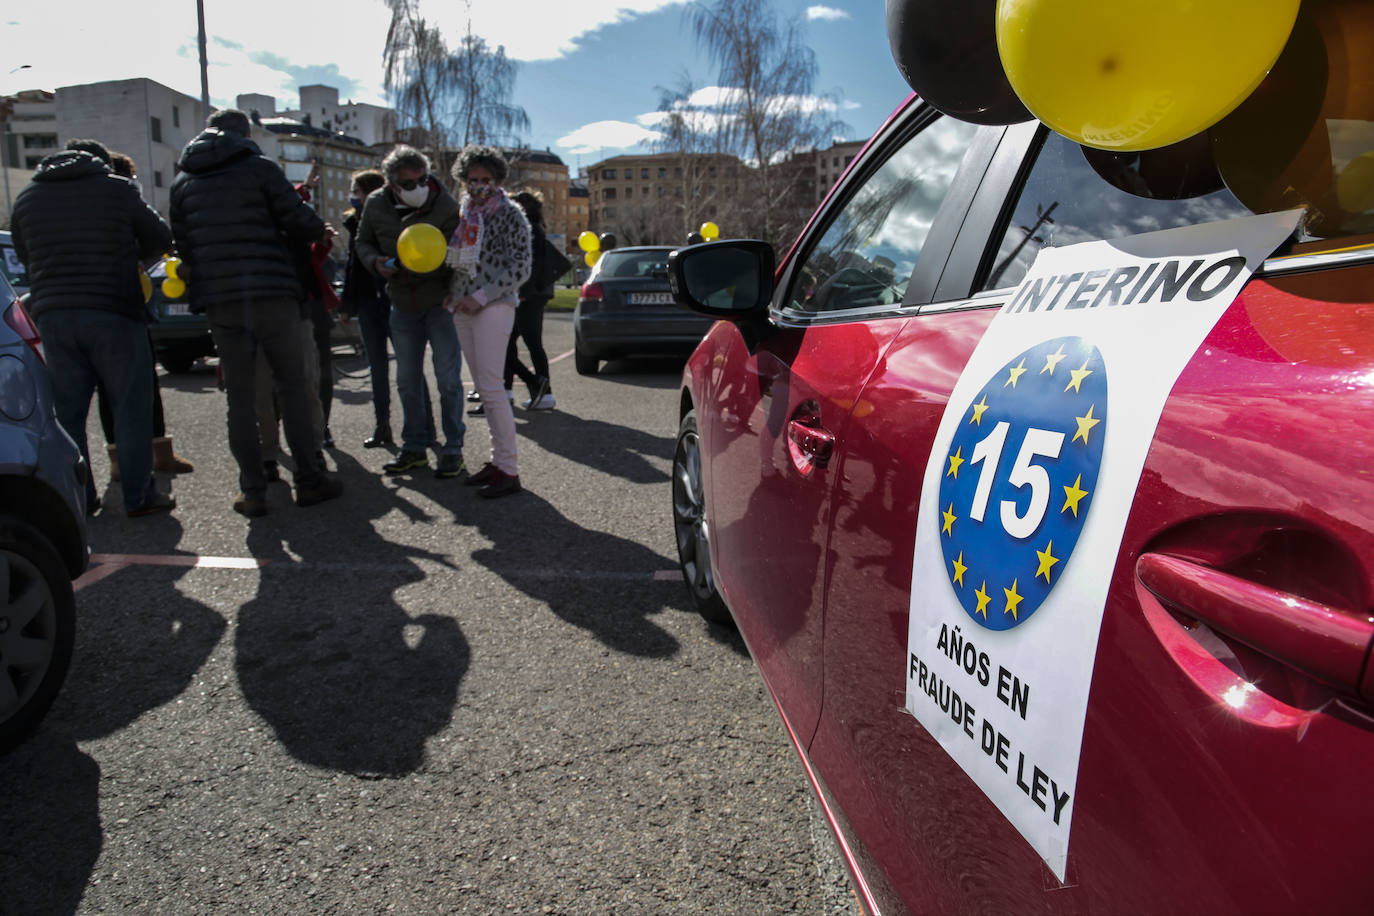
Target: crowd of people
251, 252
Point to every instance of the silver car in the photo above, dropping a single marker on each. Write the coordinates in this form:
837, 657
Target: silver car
43, 544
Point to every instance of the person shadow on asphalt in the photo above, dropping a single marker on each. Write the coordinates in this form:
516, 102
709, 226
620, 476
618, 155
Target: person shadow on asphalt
140, 643
326, 654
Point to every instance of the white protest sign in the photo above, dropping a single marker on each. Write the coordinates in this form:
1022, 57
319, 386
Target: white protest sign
1025, 498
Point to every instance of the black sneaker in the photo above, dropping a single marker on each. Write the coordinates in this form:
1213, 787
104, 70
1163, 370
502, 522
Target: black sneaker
328, 488
380, 438
488, 471
500, 484
450, 466
406, 461
161, 502
474, 397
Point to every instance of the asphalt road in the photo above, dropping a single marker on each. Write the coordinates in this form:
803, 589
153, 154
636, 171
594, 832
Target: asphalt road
412, 700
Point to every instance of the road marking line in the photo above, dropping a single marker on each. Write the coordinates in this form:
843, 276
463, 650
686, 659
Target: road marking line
560, 357
106, 564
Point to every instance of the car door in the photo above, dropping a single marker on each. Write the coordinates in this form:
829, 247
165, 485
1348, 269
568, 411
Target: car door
778, 419
1228, 727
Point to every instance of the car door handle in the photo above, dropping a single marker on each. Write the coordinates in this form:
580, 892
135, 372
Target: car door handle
809, 444
1327, 643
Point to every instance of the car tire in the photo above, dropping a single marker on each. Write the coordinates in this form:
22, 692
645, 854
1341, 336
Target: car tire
37, 628
584, 363
690, 526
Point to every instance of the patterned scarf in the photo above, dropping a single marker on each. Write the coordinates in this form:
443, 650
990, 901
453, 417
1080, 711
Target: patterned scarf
466, 245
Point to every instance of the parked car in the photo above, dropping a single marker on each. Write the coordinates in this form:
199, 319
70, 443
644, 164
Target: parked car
43, 543
10, 265
626, 308
1166, 592
180, 336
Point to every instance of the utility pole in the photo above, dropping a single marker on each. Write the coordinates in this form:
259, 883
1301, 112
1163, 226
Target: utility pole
204, 71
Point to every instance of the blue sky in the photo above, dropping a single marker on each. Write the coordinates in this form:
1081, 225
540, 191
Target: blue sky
588, 71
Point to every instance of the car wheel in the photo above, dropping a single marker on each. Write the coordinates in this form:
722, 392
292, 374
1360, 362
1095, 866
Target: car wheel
585, 363
690, 525
37, 628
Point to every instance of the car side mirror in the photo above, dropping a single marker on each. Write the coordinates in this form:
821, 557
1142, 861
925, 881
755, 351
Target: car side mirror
732, 280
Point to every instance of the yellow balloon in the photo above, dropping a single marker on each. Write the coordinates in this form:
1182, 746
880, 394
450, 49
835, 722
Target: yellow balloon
171, 265
709, 231
145, 284
1355, 186
1138, 74
421, 247
588, 241
591, 258
173, 288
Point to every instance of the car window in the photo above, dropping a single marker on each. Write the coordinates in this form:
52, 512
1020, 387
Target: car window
1066, 201
12, 266
867, 254
642, 264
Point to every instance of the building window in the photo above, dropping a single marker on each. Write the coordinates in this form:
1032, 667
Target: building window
40, 141
662, 172
608, 212
608, 174
629, 192
711, 171
608, 194
644, 173
643, 192
157, 179
176, 116
677, 172
155, 129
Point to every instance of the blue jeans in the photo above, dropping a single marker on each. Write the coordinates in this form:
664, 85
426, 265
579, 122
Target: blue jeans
86, 346
410, 331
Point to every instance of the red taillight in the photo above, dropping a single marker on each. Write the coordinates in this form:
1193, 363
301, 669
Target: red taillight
592, 291
17, 318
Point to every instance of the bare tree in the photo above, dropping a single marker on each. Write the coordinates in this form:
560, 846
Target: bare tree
768, 109
449, 97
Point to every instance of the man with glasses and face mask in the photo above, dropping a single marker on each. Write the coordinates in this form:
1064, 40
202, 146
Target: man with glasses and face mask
410, 196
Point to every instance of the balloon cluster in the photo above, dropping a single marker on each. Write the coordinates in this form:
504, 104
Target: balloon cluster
173, 287
1137, 79
708, 232
421, 247
592, 245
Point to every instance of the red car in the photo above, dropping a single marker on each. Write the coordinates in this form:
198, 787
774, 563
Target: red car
1061, 616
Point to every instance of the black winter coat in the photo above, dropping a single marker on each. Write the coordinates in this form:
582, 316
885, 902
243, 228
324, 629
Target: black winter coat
80, 231
240, 226
362, 291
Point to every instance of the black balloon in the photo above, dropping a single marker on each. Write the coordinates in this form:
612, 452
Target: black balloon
694, 238
607, 241
1174, 172
946, 50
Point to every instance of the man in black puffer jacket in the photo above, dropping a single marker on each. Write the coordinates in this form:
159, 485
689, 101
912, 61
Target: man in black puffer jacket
239, 225
81, 231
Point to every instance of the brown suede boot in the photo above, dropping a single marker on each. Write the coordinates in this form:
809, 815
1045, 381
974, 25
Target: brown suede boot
114, 462
164, 459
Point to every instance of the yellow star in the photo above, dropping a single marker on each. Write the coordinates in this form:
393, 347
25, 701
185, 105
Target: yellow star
1077, 376
1072, 495
1016, 373
1085, 424
949, 520
983, 599
1013, 599
1047, 560
959, 569
1052, 361
978, 411
954, 461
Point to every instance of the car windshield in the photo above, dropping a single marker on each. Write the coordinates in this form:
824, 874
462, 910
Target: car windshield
634, 264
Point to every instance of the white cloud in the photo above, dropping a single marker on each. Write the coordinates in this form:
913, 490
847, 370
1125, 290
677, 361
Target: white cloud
605, 136
825, 13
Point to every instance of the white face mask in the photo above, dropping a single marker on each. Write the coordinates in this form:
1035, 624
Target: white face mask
415, 197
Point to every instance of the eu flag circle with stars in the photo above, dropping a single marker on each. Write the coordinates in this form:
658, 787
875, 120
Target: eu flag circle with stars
1019, 478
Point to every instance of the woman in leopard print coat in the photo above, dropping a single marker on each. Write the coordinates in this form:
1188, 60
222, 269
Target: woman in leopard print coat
490, 254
